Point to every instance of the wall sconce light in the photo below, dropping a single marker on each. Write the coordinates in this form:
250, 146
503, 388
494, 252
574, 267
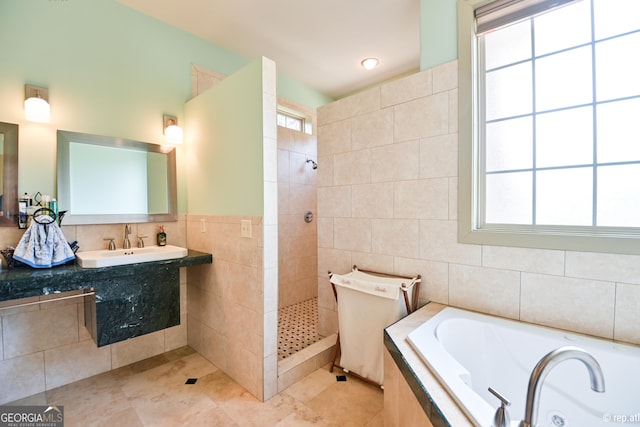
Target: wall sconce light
172, 132
36, 105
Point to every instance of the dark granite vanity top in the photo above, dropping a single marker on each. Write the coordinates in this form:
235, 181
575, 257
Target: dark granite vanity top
22, 282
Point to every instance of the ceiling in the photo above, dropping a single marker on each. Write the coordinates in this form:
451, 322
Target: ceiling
319, 43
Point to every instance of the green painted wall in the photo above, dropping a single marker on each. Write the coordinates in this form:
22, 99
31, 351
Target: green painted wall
110, 70
224, 141
299, 93
438, 32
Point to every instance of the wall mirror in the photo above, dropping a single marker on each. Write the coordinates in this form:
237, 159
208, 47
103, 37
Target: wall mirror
8, 175
106, 180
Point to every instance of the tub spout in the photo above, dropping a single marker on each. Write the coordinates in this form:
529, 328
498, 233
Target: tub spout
545, 365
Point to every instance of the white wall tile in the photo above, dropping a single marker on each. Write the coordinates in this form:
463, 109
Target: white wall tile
324, 173
270, 159
422, 118
399, 237
439, 242
25, 374
329, 113
270, 206
334, 202
297, 167
405, 89
352, 168
445, 77
361, 103
524, 259
284, 200
326, 298
269, 76
453, 199
486, 290
568, 303
334, 260
627, 313
422, 199
33, 331
270, 291
336, 138
372, 200
373, 261
269, 116
352, 234
286, 139
395, 162
372, 129
214, 347
325, 232
435, 277
599, 266
270, 255
439, 156
425, 109
74, 362
127, 352
176, 336
453, 111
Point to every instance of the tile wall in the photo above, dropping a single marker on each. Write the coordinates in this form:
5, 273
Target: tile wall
297, 239
387, 200
228, 322
44, 346
234, 301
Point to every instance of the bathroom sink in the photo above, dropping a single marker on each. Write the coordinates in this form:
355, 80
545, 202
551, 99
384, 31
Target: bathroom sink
106, 258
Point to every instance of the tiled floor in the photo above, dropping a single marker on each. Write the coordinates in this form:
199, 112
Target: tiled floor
153, 393
297, 327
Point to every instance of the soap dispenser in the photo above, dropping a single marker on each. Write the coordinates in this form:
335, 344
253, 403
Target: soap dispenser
162, 237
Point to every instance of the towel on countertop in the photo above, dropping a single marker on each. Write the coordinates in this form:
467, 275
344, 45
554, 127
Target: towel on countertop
43, 245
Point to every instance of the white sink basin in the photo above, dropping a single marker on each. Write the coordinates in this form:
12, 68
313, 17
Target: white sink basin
106, 258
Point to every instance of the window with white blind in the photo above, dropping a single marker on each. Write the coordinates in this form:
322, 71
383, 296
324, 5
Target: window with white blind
550, 123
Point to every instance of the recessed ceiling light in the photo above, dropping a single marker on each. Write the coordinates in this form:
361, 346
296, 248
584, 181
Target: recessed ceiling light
369, 63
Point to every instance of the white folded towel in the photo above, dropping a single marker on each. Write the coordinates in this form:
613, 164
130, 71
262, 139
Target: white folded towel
43, 245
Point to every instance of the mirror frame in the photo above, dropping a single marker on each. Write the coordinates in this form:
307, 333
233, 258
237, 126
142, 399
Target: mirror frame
64, 184
9, 217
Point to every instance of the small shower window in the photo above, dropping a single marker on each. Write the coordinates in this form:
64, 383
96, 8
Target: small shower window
290, 122
294, 120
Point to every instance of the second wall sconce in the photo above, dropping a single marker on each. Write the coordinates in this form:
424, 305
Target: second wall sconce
36, 105
172, 132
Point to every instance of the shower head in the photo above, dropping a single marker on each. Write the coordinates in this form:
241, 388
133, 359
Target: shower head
314, 164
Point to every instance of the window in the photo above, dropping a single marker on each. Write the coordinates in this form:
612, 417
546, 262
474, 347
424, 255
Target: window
289, 121
552, 136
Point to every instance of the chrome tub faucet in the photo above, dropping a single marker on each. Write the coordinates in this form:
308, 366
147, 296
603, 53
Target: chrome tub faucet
546, 364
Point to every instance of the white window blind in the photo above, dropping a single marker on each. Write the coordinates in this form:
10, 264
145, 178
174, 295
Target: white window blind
502, 12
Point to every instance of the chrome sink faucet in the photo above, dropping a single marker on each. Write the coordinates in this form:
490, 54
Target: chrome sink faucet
127, 231
546, 364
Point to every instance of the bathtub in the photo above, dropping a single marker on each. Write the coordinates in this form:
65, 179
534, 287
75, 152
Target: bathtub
470, 352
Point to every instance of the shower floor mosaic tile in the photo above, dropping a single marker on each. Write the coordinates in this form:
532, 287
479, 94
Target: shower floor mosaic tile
297, 327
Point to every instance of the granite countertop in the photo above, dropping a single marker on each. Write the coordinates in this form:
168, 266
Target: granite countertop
424, 384
22, 282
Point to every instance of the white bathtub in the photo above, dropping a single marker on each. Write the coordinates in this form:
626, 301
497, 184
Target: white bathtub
470, 352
